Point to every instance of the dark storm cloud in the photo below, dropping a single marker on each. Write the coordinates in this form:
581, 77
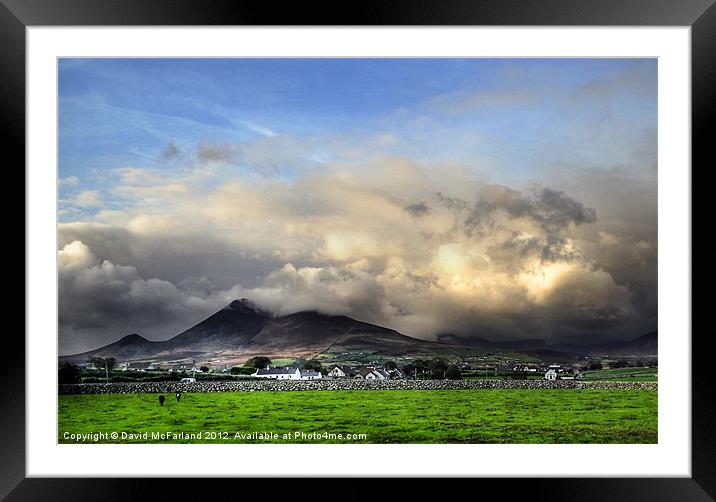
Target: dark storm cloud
193, 255
551, 210
510, 263
417, 209
452, 203
171, 152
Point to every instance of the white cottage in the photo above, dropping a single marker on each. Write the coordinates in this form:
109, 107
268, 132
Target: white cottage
341, 372
288, 373
310, 375
550, 375
278, 373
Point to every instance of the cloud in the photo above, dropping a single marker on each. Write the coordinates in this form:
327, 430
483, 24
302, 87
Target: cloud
69, 181
214, 153
467, 101
171, 152
417, 209
264, 131
639, 80
470, 257
87, 199
100, 301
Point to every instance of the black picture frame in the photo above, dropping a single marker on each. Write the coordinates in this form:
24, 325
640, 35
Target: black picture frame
700, 15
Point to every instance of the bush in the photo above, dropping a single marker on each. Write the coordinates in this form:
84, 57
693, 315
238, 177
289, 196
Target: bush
258, 362
453, 373
242, 370
438, 368
68, 373
313, 364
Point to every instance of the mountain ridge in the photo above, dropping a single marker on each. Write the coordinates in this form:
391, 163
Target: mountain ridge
243, 329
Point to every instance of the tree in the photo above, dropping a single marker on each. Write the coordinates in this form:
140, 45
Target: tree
235, 370
204, 369
313, 364
619, 364
68, 373
418, 368
258, 362
438, 367
106, 363
102, 363
595, 365
453, 373
391, 366
409, 370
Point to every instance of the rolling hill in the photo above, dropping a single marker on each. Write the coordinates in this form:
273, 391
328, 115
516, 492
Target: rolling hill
645, 345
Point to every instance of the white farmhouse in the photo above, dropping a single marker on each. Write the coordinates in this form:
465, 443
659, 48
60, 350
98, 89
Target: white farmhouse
310, 375
341, 372
278, 373
551, 374
288, 373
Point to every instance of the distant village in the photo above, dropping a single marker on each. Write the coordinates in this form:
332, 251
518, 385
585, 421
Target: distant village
108, 369
370, 372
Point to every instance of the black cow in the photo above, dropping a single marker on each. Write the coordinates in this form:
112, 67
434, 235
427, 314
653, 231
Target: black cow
178, 395
161, 400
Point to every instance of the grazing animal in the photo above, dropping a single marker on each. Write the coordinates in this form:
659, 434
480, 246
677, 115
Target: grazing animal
161, 400
178, 395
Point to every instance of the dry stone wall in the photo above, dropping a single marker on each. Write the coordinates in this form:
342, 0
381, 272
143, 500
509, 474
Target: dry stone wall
328, 384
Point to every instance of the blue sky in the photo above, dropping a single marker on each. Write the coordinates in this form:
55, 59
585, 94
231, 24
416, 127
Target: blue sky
510, 198
509, 116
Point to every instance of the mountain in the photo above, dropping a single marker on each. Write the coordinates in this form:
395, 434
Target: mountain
233, 326
241, 330
645, 345
127, 348
483, 343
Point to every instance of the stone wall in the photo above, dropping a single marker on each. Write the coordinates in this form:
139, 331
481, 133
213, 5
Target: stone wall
347, 384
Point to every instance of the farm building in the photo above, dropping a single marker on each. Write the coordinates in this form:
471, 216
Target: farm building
139, 366
525, 367
552, 374
371, 373
288, 373
178, 368
342, 372
310, 375
396, 374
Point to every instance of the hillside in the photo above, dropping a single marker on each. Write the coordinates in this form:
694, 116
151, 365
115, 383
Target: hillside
241, 329
646, 345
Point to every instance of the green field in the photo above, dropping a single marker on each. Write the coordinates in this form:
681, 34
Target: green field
624, 374
392, 416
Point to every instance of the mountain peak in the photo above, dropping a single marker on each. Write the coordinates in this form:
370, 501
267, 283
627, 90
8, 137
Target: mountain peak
133, 338
245, 305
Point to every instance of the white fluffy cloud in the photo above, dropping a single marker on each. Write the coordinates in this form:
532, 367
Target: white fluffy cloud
423, 249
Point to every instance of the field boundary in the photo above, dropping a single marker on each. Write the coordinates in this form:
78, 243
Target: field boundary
327, 385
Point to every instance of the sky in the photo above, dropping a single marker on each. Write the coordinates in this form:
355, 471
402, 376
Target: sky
491, 198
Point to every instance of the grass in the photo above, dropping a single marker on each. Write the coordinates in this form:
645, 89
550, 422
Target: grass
624, 374
394, 416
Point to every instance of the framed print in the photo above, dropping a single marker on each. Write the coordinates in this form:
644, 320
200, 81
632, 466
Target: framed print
277, 249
